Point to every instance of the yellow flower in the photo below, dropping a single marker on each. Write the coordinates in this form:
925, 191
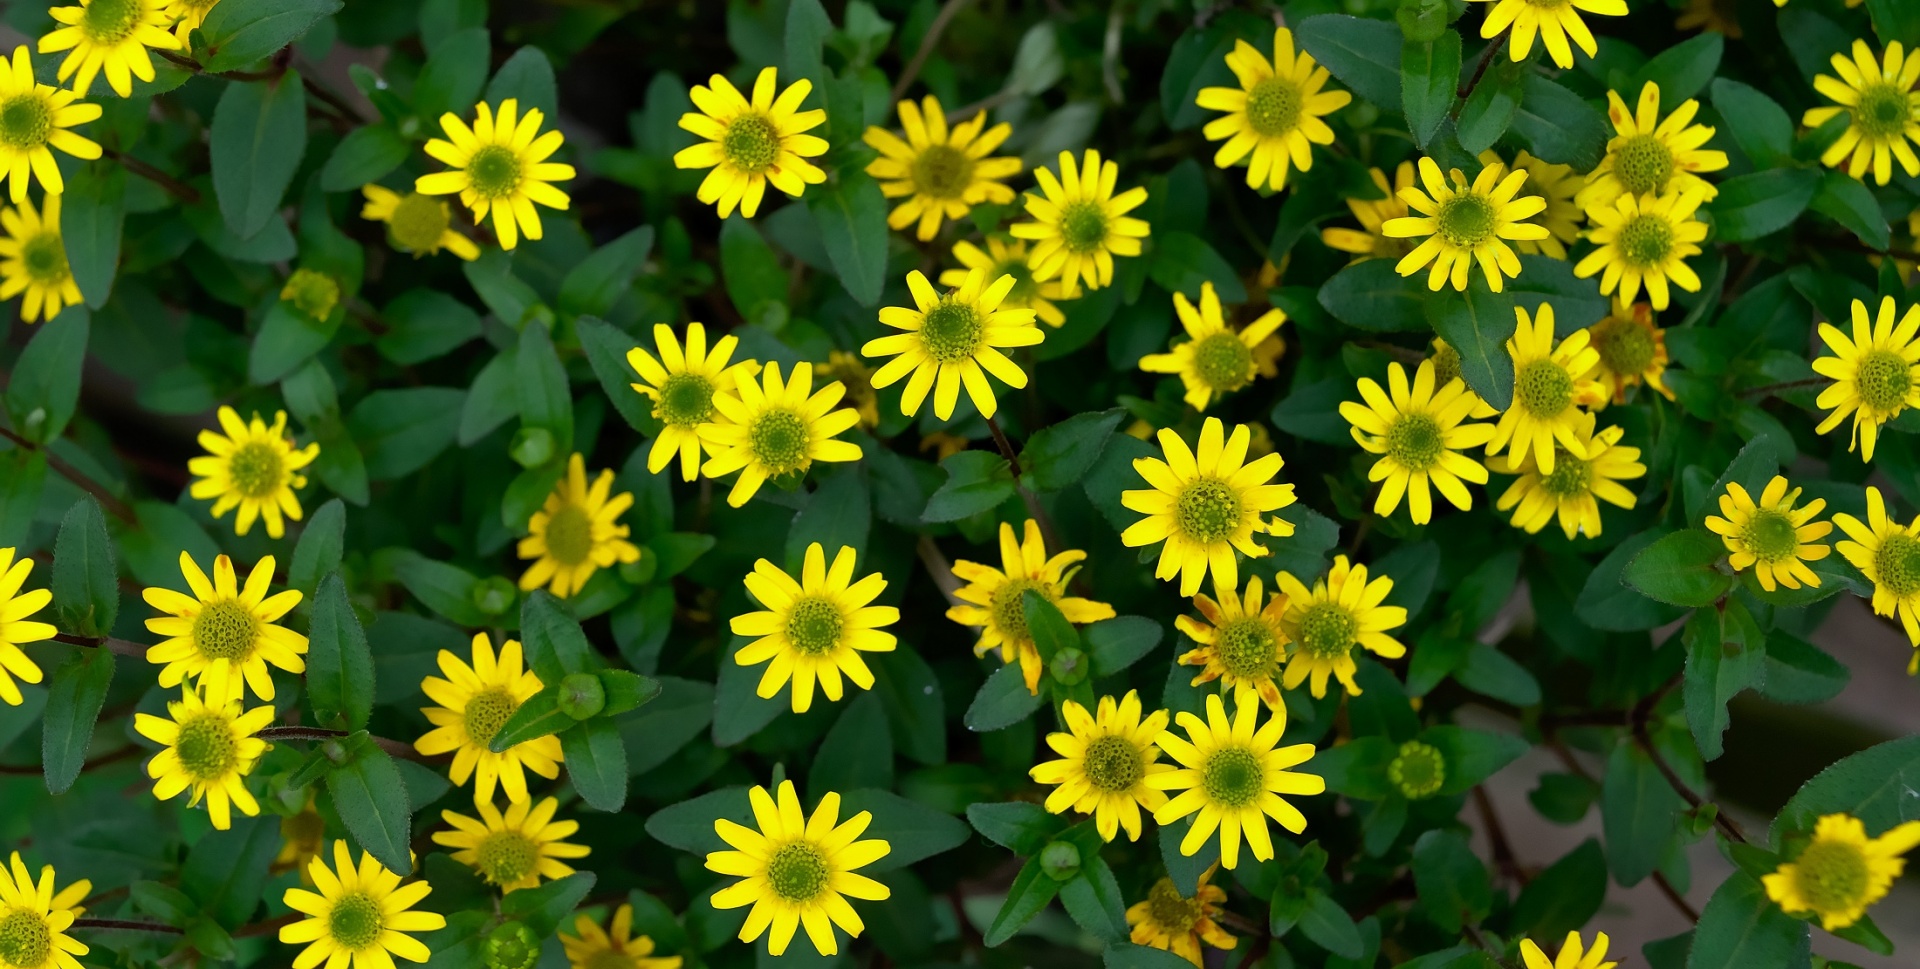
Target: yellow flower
682, 384
1206, 505
1419, 434
1550, 385
952, 340
1885, 551
302, 834
34, 919
515, 850
994, 600
1167, 920
188, 16
1009, 258
1080, 225
1573, 955
33, 260
210, 748
16, 629
577, 532
223, 635
1555, 21
854, 374
1105, 760
1648, 156
312, 294
816, 628
1213, 360
797, 871
1876, 375
774, 429
360, 915
1632, 351
111, 36
1882, 108
752, 143
253, 467
1771, 535
1274, 115
591, 947
34, 119
500, 167
1323, 624
1645, 239
941, 173
474, 703
1841, 872
1575, 487
416, 223
1465, 223
1241, 644
1557, 184
1373, 214
1233, 777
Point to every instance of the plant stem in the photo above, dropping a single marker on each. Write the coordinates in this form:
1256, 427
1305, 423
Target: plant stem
1503, 856
919, 60
1784, 385
1031, 500
174, 187
1479, 68
1673, 895
120, 509
121, 646
394, 748
128, 925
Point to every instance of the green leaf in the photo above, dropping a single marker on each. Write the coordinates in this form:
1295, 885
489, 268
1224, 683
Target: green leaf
626, 690
339, 662
1452, 883
1875, 785
1003, 701
364, 156
86, 588
555, 643
738, 710
1059, 455
226, 875
1032, 890
1799, 672
78, 691
677, 550
23, 477
1565, 896
258, 134
372, 802
688, 825
914, 831
837, 515
1577, 303
1765, 132
1185, 870
1021, 827
1848, 201
1894, 20
1197, 60
916, 707
596, 760
1478, 324
1681, 71
1050, 630
1607, 602
1741, 927
1092, 899
544, 909
807, 30
44, 388
1471, 756
238, 32
1489, 111
976, 481
527, 77
1489, 671
607, 348
540, 383
1126, 955
1557, 126
1330, 927
597, 283
1761, 203
288, 338
682, 711
1637, 813
857, 751
1117, 643
400, 431
1679, 569
756, 283
319, 550
452, 76
1363, 53
423, 324
1725, 655
506, 296
852, 216
444, 588
1181, 262
1429, 73
92, 211
1372, 296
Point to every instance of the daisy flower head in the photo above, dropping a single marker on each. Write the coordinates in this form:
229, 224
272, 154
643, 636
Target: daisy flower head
472, 703
223, 633
814, 629
1008, 257
35, 119
1771, 536
615, 947
1079, 224
1273, 118
1573, 954
1841, 872
994, 600
188, 16
1205, 505
500, 168
516, 849
358, 915
1645, 240
302, 835
1572, 492
1888, 554
1232, 778
1463, 223
1882, 109
1368, 241
416, 223
682, 382
1875, 374
576, 532
1550, 385
1323, 624
1240, 642
254, 467
752, 143
1556, 21
17, 627
33, 260
110, 36
1105, 761
953, 339
34, 919
208, 747
1651, 156
1214, 359
1557, 185
1420, 434
797, 871
1171, 921
941, 172
776, 429
1632, 350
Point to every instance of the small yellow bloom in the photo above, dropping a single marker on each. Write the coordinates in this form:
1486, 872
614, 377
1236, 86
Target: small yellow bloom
1771, 536
514, 850
1645, 240
774, 429
1558, 185
1325, 623
797, 871
577, 532
223, 635
1419, 434
33, 934
1105, 760
1556, 21
500, 167
474, 702
1273, 118
1168, 920
209, 749
814, 629
253, 467
1009, 258
33, 260
1648, 156
1213, 359
994, 600
312, 293
1632, 351
361, 915
111, 36
682, 383
35, 119
1575, 487
187, 17
1466, 223
854, 374
1876, 375
416, 223
1372, 243
1573, 954
1080, 225
1232, 778
1241, 643
1205, 506
953, 339
302, 835
615, 947
16, 625
1888, 554
752, 143
1550, 385
941, 173
1882, 108
1841, 872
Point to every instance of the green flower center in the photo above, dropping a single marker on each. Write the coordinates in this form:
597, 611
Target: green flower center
1246, 647
355, 921
1222, 361
686, 400
1883, 379
1083, 227
511, 946
109, 22
486, 712
942, 172
1884, 111
814, 624
1896, 564
1544, 388
206, 747
1208, 510
1009, 607
25, 939
225, 629
1646, 240
751, 144
1770, 536
1170, 912
798, 872
570, 535
1232, 777
1571, 476
45, 256
312, 293
506, 857
494, 171
1626, 348
779, 440
1446, 365
1418, 771
1273, 107
952, 331
1415, 441
1113, 764
1643, 163
25, 121
1832, 876
1466, 221
418, 222
256, 469
1327, 630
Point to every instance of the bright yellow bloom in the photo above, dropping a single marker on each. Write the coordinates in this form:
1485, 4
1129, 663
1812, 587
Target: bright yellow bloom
1876, 375
514, 850
33, 260
1105, 760
1464, 223
474, 702
752, 143
1888, 554
1550, 385
16, 627
360, 916
952, 340
1167, 920
1009, 258
577, 532
1419, 434
1204, 506
1080, 225
1213, 360
853, 373
941, 173
1233, 777
1573, 955
1632, 351
1556, 21
1575, 487
1323, 624
994, 600
1241, 643
34, 120
1645, 239
209, 749
1648, 156
111, 36
34, 919
416, 223
797, 871
188, 16
1771, 536
1273, 117
223, 635
816, 628
1841, 872
500, 167
253, 467
1372, 215
592, 947
1557, 185
682, 383
774, 429
1882, 108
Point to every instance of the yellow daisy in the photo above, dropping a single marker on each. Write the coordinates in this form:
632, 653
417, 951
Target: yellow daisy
33, 260
1573, 490
1558, 185
1419, 434
1645, 240
223, 635
1168, 920
111, 36
210, 748
681, 383
1241, 643
775, 430
797, 871
1556, 21
1273, 118
1841, 872
752, 143
1632, 351
16, 627
1232, 777
1213, 359
34, 120
952, 340
994, 600
253, 467
577, 532
941, 173
1550, 385
1882, 108
474, 702
1105, 760
302, 834
816, 628
853, 373
360, 916
1876, 375
1009, 258
500, 167
615, 947
416, 223
1573, 954
1369, 242
513, 850
1323, 624
1648, 156
1771, 536
188, 16
1204, 506
34, 919
1080, 225
1464, 223
1885, 551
